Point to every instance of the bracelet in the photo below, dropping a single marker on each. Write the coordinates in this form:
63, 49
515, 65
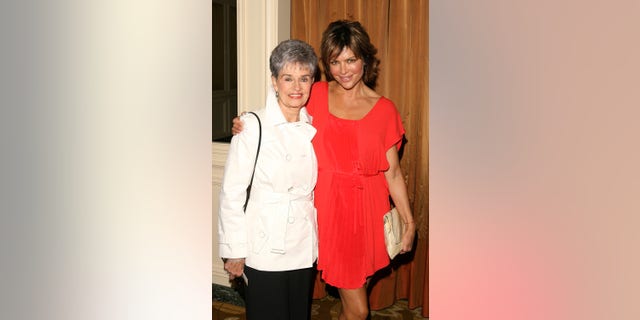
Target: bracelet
409, 222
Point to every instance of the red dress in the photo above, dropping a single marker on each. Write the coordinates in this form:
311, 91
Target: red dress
352, 194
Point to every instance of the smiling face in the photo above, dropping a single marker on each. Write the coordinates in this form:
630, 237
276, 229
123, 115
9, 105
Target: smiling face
293, 85
346, 68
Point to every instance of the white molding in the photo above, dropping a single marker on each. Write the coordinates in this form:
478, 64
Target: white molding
251, 51
262, 24
220, 278
219, 154
277, 21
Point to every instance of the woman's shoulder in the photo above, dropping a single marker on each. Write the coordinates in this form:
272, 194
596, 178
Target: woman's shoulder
318, 97
320, 84
250, 120
384, 108
253, 114
320, 88
385, 102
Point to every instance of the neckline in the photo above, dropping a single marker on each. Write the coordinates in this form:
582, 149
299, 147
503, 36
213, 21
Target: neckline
363, 117
343, 119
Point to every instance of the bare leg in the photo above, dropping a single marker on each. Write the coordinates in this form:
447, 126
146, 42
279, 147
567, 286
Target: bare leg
354, 304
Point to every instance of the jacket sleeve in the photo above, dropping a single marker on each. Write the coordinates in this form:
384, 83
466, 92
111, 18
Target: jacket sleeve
232, 226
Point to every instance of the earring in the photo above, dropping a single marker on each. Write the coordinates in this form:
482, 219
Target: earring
277, 94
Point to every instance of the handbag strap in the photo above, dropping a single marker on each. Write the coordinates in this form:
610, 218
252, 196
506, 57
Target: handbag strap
257, 152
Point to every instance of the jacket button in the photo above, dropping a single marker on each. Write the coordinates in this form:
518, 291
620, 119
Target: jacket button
291, 220
288, 157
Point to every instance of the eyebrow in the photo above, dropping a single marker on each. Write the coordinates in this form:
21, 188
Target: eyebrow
290, 75
347, 58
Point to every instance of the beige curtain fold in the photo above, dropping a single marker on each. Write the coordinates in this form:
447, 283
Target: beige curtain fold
400, 31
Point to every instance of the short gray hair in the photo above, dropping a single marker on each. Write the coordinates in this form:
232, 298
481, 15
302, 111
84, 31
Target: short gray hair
292, 51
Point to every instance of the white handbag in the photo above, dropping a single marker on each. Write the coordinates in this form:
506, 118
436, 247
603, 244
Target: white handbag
393, 232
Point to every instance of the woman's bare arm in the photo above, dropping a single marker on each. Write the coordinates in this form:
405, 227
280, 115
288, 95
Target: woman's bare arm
398, 191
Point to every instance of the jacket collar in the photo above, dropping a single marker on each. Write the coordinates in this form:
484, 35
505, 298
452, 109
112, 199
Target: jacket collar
274, 115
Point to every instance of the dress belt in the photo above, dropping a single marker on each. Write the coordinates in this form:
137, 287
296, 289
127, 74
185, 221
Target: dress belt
357, 181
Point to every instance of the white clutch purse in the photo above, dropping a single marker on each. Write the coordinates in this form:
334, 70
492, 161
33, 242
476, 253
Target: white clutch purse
393, 232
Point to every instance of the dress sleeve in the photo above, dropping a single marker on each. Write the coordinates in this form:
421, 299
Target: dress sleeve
395, 130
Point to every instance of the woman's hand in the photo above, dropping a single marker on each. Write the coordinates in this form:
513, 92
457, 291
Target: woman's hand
234, 267
237, 126
407, 236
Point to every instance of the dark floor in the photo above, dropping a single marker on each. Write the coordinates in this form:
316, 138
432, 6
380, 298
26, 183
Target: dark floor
228, 304
227, 295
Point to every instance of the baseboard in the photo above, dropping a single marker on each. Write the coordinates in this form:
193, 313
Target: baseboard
221, 278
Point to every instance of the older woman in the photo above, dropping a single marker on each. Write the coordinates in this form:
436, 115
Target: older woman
274, 243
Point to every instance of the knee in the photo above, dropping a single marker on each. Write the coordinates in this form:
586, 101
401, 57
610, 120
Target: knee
356, 312
361, 313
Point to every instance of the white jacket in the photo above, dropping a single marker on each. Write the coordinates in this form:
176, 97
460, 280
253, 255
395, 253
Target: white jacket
278, 231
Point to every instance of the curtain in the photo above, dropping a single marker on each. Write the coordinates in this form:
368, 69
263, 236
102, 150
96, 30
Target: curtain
400, 31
